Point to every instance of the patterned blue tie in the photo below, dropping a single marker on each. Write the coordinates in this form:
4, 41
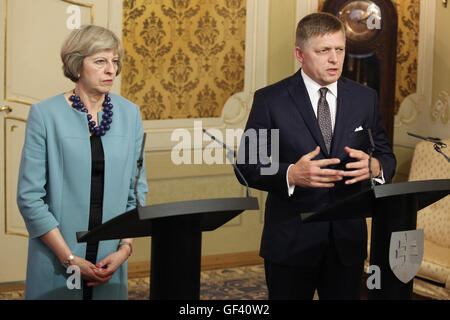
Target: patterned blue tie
324, 118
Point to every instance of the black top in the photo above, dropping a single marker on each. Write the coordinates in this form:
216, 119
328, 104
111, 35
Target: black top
96, 204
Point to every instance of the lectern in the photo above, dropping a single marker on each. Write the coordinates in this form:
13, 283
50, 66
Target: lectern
176, 231
393, 208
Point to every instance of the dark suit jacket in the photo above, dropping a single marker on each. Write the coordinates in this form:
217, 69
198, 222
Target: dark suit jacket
286, 106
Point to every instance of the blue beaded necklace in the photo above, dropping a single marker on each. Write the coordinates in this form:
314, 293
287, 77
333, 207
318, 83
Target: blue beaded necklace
105, 125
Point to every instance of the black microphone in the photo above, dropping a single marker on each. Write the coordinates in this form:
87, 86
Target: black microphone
437, 144
438, 149
371, 150
230, 156
140, 163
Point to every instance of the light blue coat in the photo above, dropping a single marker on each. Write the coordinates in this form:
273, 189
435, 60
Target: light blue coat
54, 189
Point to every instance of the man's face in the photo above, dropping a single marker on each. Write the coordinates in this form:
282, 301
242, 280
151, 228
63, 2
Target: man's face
322, 57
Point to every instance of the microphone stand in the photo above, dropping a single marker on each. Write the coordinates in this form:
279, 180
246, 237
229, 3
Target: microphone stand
371, 150
140, 163
437, 144
230, 156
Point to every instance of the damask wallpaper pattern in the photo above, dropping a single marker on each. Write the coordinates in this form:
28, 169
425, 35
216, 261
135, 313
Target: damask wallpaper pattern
183, 58
407, 48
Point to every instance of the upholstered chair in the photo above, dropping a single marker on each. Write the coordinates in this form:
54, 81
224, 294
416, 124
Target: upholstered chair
433, 278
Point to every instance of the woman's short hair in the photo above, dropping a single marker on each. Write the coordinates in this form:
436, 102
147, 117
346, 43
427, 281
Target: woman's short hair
316, 24
84, 42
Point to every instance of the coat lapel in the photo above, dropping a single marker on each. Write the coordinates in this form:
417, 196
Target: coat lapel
299, 94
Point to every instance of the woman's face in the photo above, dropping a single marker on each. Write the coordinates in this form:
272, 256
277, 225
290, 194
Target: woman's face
99, 71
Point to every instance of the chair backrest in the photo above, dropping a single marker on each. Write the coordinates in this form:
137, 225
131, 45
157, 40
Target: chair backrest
427, 164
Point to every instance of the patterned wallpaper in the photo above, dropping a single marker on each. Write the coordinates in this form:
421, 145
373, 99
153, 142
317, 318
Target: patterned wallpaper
183, 58
407, 48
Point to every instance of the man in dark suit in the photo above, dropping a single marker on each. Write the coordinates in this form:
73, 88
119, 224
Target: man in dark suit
321, 122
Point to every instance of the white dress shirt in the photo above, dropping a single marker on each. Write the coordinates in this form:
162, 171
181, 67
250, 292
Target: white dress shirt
313, 88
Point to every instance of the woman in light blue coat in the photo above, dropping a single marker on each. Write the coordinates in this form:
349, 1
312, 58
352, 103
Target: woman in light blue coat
78, 169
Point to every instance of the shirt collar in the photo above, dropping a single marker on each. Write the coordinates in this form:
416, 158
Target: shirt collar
313, 86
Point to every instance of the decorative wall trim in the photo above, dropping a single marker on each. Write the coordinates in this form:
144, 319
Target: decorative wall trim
115, 24
10, 229
228, 260
30, 101
420, 101
303, 8
440, 110
236, 109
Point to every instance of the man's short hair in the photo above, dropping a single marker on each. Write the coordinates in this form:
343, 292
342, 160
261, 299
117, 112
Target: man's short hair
316, 24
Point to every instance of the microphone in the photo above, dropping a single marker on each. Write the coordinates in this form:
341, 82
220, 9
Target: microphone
437, 144
230, 156
371, 150
438, 149
140, 163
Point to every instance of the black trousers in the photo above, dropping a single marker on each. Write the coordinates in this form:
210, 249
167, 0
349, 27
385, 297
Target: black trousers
332, 279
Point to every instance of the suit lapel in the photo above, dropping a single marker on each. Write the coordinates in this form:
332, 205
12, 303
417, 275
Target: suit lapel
342, 116
299, 94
